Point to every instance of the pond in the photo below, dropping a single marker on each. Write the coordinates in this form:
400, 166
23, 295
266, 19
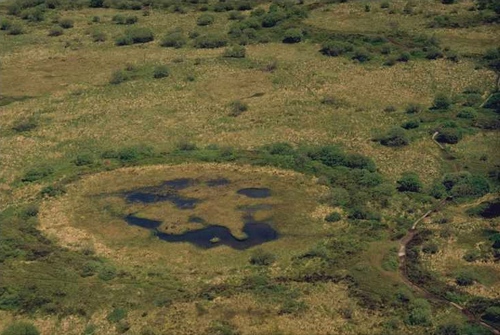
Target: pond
210, 235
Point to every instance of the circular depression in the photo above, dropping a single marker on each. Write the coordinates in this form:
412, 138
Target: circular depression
188, 216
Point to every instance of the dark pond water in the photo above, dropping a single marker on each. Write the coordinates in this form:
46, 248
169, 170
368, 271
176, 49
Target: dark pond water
491, 210
257, 232
254, 192
211, 235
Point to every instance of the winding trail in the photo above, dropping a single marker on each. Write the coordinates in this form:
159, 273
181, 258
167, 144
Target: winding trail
403, 264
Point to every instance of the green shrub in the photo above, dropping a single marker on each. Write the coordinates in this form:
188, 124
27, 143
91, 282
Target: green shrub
334, 49
396, 137
237, 107
273, 18
493, 102
235, 15
107, 272
449, 135
16, 29
467, 113
261, 257
84, 159
124, 40
205, 20
131, 19
441, 101
293, 35
413, 108
411, 124
33, 14
37, 174
56, 31
492, 314
66, 23
420, 313
291, 306
5, 24
21, 328
210, 41
98, 36
473, 99
430, 248
404, 57
433, 53
135, 35
362, 55
236, 51
96, 19
472, 255
409, 182
117, 315
465, 279
161, 71
333, 217
464, 184
119, 77
53, 190
173, 39
25, 124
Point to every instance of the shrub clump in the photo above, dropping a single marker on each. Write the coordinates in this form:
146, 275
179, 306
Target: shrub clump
334, 48
293, 35
56, 31
135, 36
16, 29
174, 39
66, 23
205, 20
210, 41
396, 137
37, 174
98, 36
333, 217
119, 77
261, 257
236, 51
449, 135
122, 19
161, 71
441, 101
21, 328
465, 184
409, 182
237, 107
